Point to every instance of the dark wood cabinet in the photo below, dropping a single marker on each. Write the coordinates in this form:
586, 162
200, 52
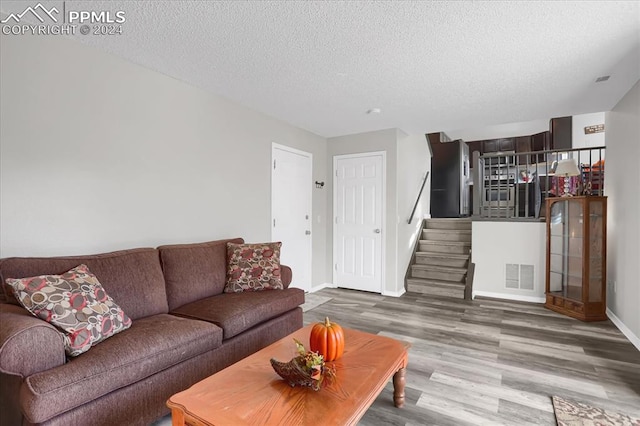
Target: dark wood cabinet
491, 145
561, 132
558, 137
576, 257
506, 145
523, 144
539, 142
498, 145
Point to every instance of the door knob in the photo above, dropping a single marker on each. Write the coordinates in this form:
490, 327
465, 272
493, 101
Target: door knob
307, 232
377, 230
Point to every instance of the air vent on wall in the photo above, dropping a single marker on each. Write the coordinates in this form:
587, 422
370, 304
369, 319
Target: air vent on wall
603, 78
512, 275
519, 276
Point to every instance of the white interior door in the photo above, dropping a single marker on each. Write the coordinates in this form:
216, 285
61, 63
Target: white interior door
358, 218
291, 186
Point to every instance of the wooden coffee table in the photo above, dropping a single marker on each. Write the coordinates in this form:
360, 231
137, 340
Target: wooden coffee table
250, 392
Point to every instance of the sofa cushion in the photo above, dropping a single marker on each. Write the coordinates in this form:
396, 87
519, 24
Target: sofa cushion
132, 277
237, 312
76, 303
253, 267
194, 271
151, 345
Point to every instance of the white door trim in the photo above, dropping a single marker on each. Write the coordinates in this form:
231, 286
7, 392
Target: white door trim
383, 213
309, 155
275, 145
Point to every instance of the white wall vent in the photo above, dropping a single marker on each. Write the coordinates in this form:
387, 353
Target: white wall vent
519, 276
512, 274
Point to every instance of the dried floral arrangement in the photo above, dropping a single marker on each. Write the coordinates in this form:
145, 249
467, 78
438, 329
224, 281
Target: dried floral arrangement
306, 369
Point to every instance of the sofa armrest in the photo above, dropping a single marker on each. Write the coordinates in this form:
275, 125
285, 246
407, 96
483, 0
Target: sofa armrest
286, 275
27, 344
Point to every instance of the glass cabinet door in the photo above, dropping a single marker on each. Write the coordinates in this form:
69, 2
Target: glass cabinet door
566, 249
557, 219
596, 251
574, 253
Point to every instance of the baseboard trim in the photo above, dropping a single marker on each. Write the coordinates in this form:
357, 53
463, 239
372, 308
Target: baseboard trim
394, 293
516, 297
322, 286
635, 340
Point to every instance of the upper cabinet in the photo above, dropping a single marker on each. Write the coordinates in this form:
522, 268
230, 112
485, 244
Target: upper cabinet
508, 144
490, 146
523, 144
560, 130
559, 136
540, 142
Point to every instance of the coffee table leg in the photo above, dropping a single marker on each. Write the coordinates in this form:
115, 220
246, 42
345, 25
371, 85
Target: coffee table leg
398, 387
177, 417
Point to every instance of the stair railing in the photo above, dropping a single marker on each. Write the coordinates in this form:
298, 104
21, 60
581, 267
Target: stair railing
415, 206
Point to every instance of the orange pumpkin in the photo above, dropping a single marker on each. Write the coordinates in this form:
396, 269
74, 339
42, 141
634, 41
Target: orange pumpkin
327, 339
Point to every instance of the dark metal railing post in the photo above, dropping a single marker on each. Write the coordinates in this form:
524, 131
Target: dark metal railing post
415, 206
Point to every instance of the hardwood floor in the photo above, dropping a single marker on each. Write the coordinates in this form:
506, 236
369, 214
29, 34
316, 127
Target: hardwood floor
490, 362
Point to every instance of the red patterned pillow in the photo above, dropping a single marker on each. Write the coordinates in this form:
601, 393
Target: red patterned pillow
253, 267
74, 302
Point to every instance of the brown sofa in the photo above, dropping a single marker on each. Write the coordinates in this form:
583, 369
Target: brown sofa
184, 329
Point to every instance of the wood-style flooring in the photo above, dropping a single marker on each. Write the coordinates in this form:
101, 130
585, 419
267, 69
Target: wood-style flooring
489, 362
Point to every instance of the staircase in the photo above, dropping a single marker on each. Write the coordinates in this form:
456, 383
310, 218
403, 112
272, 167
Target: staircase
441, 258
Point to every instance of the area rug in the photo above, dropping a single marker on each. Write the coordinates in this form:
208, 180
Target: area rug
313, 301
571, 413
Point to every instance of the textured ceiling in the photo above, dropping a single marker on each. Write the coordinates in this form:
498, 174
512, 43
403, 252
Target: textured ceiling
429, 66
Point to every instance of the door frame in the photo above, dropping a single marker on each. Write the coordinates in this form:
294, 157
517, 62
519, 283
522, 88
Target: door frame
309, 155
383, 216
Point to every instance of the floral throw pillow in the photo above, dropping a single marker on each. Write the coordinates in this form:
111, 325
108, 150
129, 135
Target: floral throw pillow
75, 303
253, 267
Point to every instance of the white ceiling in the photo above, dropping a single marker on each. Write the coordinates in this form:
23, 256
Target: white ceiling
429, 66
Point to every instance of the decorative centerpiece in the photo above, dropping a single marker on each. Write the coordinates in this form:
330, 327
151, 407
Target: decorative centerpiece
306, 369
327, 339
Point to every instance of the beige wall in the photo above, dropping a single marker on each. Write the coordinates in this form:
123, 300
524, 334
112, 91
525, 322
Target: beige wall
497, 131
99, 154
622, 186
414, 160
581, 140
497, 243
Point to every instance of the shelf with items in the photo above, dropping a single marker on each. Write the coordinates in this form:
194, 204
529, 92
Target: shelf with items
576, 256
592, 176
